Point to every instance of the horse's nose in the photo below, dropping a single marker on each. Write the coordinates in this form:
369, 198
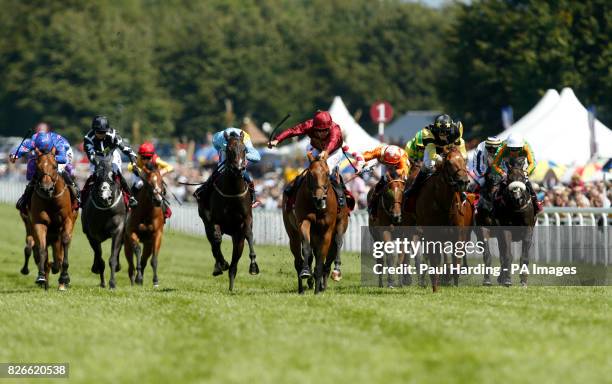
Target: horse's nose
397, 218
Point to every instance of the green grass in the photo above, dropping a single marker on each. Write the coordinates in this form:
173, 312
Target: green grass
192, 329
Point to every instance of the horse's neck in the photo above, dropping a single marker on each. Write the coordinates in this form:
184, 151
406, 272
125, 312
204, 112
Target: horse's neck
444, 195
231, 183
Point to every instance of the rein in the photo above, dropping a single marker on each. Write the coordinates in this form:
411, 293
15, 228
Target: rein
385, 208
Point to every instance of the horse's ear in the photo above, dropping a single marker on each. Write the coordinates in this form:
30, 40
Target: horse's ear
38, 152
241, 135
53, 151
311, 158
225, 136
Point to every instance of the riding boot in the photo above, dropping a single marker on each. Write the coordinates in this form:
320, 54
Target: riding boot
421, 177
126, 189
339, 189
75, 192
24, 200
537, 208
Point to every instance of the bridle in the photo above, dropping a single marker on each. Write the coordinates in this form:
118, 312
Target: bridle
452, 178
388, 210
232, 170
50, 192
312, 185
104, 174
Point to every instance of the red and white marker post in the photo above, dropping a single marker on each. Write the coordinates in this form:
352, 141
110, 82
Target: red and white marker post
381, 112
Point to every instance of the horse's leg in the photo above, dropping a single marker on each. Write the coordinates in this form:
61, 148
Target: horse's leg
147, 251
113, 262
306, 249
156, 246
526, 246
253, 267
389, 259
327, 266
215, 244
337, 246
238, 247
321, 253
296, 250
434, 261
40, 231
481, 235
135, 241
66, 239
418, 258
27, 252
98, 263
505, 255
129, 256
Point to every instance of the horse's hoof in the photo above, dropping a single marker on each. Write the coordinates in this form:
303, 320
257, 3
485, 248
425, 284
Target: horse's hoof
390, 286
507, 283
25, 271
112, 285
310, 282
218, 270
225, 265
487, 282
254, 269
40, 280
61, 287
139, 280
102, 285
523, 284
155, 285
336, 275
305, 274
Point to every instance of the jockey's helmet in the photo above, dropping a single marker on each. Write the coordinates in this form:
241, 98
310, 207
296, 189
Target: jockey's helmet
42, 127
515, 141
442, 125
100, 124
146, 149
44, 142
492, 143
392, 154
322, 120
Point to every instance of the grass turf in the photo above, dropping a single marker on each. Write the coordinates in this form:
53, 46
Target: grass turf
192, 329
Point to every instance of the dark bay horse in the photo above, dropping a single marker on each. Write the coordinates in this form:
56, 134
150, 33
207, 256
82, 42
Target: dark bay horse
389, 215
103, 218
312, 225
435, 198
52, 219
515, 210
145, 224
228, 211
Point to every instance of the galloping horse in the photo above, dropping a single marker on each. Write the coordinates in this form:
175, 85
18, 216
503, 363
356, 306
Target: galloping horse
103, 217
52, 219
312, 225
389, 215
516, 210
228, 211
435, 198
145, 224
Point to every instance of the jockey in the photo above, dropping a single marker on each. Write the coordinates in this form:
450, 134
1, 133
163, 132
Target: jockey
147, 155
45, 141
220, 144
516, 147
393, 157
415, 148
325, 137
102, 140
483, 158
436, 138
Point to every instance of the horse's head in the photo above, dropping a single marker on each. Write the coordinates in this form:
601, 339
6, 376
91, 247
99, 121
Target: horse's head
318, 181
46, 171
492, 182
516, 190
235, 152
454, 170
153, 183
104, 181
392, 197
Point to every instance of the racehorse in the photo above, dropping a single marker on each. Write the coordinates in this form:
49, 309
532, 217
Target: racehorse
228, 211
29, 242
389, 215
485, 220
145, 224
312, 225
516, 210
52, 219
433, 201
103, 217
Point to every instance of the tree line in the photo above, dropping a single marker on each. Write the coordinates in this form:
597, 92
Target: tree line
171, 68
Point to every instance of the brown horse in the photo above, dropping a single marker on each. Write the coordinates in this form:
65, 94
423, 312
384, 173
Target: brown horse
29, 242
228, 210
312, 225
52, 219
389, 215
145, 224
434, 200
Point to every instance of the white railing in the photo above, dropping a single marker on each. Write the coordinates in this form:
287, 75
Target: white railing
268, 225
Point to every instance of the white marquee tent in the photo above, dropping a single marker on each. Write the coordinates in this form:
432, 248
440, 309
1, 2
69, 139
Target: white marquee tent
561, 134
